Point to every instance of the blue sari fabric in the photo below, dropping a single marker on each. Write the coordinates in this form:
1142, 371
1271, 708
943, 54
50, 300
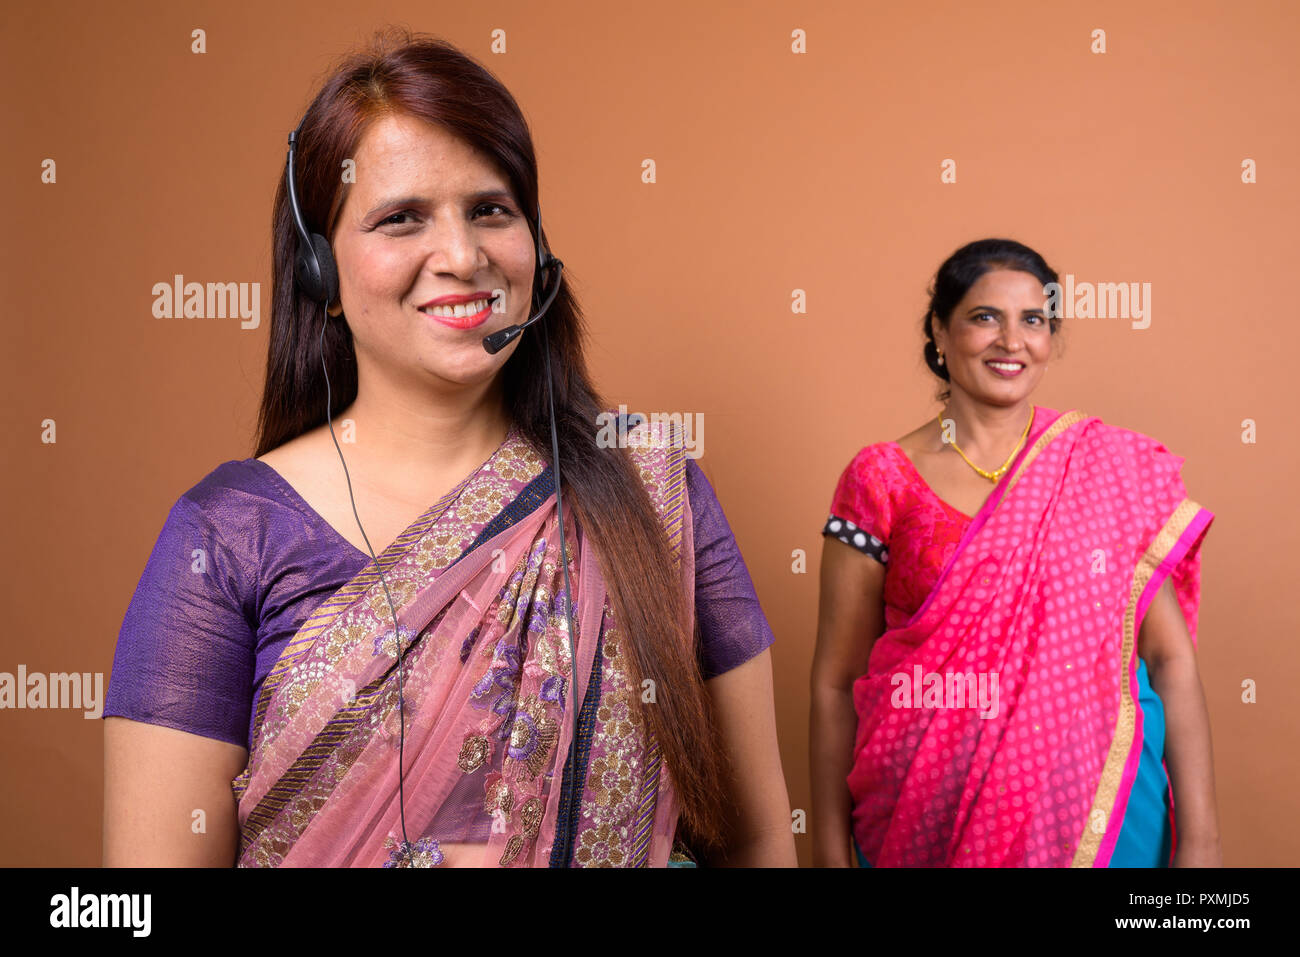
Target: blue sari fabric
1146, 837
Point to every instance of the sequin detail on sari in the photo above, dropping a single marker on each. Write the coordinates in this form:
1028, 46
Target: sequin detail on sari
624, 777
423, 853
333, 636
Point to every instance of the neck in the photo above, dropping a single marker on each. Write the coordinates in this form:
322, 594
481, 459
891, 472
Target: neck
419, 436
986, 433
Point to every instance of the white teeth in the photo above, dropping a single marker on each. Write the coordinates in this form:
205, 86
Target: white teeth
1006, 366
459, 311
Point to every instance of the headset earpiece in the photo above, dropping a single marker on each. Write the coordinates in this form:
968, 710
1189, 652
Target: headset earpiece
314, 268
315, 271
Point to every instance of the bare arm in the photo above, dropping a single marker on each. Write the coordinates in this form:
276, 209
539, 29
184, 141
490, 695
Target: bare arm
155, 779
851, 617
1166, 646
759, 833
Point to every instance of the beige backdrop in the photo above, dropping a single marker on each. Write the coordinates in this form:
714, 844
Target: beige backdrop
776, 171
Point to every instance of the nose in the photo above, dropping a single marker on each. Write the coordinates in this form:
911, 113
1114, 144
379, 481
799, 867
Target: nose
455, 250
1011, 339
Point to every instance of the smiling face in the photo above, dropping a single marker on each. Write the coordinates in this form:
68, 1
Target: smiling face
428, 233
997, 342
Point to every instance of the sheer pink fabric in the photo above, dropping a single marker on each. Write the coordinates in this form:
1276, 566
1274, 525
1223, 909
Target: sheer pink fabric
488, 706
1041, 602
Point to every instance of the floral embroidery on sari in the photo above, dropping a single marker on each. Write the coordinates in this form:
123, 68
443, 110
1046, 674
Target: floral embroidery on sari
310, 659
624, 779
422, 853
326, 746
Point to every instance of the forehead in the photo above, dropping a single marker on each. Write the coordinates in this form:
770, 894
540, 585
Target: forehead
402, 151
1008, 284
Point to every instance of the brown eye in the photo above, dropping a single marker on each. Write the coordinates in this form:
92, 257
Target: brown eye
390, 221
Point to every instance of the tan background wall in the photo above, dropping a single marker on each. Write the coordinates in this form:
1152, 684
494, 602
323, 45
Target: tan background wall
776, 172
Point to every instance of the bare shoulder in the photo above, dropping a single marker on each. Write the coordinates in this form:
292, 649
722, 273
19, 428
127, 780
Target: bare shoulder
299, 457
309, 464
920, 441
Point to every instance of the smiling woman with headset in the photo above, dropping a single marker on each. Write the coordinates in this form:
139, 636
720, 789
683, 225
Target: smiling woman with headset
463, 697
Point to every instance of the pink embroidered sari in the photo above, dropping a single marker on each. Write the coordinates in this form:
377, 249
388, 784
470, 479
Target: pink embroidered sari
1038, 610
479, 594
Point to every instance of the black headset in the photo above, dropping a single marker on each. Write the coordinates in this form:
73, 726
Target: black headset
317, 275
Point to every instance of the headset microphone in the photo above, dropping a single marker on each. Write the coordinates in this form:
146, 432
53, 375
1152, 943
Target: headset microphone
498, 340
316, 275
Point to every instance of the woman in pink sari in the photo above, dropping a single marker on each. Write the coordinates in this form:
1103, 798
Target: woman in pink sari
440, 703
1005, 670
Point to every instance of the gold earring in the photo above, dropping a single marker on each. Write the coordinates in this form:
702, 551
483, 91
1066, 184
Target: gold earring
940, 351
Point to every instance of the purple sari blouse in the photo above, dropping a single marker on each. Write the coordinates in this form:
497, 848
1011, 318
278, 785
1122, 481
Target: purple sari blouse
242, 561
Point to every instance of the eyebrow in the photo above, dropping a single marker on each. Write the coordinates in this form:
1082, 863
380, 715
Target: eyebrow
975, 309
474, 199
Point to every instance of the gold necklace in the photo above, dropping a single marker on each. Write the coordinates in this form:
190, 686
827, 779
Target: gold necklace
997, 473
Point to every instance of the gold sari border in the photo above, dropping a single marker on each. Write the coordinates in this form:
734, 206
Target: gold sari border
343, 598
1121, 743
331, 607
339, 728
660, 457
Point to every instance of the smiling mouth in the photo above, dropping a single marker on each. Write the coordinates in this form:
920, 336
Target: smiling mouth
1005, 368
463, 315
461, 310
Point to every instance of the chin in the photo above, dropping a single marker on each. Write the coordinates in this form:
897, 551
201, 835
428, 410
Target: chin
469, 366
1008, 393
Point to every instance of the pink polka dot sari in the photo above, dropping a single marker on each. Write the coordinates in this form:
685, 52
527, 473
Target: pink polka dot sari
1000, 725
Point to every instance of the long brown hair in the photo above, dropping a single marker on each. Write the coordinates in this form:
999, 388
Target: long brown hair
429, 79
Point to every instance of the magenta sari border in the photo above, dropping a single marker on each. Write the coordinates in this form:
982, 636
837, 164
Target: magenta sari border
1191, 535
991, 504
1131, 762
1195, 530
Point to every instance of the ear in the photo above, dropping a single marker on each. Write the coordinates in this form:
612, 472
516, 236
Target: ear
937, 330
335, 310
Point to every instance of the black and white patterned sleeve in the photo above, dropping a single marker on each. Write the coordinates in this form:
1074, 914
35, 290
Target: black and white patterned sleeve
859, 538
